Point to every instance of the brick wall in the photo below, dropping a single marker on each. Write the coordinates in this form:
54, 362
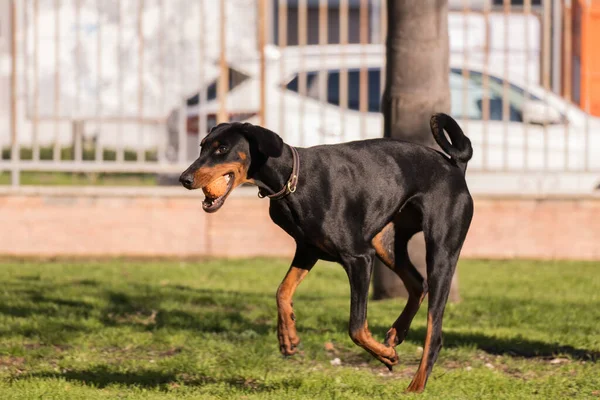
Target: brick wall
170, 222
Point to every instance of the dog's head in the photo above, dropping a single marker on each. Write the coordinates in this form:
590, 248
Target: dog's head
229, 156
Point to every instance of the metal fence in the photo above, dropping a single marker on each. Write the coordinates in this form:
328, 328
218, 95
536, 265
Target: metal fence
133, 85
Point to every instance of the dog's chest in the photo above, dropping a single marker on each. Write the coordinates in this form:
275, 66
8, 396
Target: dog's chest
285, 218
308, 230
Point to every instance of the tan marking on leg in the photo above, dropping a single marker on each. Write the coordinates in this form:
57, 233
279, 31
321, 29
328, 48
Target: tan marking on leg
379, 246
383, 353
286, 325
418, 381
403, 322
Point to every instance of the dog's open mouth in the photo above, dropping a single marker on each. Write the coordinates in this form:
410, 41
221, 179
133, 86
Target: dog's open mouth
216, 192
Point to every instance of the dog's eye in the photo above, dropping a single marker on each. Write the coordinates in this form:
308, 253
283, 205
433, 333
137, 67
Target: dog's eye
221, 150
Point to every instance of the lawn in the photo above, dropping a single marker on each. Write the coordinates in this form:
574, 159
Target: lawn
178, 330
80, 179
54, 178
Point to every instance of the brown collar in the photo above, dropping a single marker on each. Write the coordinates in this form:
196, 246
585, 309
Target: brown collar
292, 183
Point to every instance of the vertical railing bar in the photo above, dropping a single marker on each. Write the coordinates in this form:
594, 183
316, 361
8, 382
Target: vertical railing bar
182, 120
302, 84
527, 12
120, 150
566, 74
141, 153
223, 85
25, 10
465, 70
505, 98
486, 89
77, 128
556, 44
383, 35
162, 77
556, 66
202, 123
99, 153
36, 83
282, 35
363, 85
15, 151
344, 69
586, 94
546, 73
56, 148
262, 37
323, 73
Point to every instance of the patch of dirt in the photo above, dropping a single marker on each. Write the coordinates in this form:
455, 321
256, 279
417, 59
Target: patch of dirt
11, 361
171, 352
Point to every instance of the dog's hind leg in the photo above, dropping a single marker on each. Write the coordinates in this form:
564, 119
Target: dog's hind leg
359, 274
443, 240
439, 288
391, 245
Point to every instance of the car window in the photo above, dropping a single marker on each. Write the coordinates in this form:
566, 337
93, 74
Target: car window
472, 108
460, 108
333, 87
236, 78
469, 107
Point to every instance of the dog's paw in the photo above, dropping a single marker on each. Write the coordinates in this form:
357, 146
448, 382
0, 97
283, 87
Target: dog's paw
288, 350
288, 343
389, 360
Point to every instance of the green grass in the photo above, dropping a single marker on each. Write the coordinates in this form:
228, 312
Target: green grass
80, 179
179, 330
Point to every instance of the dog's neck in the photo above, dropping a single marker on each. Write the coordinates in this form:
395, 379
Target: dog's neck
275, 172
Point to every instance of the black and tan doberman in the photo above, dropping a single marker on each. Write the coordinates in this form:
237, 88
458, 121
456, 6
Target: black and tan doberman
349, 203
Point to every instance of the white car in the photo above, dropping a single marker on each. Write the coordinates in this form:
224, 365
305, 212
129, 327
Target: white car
558, 138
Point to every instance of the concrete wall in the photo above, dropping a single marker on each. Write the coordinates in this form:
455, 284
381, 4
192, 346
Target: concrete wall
103, 222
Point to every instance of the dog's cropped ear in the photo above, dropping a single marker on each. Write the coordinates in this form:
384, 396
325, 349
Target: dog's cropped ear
269, 143
213, 129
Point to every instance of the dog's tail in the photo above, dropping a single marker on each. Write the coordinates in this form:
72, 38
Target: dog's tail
460, 150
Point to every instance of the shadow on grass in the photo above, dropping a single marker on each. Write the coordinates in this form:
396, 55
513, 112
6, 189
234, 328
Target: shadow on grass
514, 347
213, 311
102, 377
151, 307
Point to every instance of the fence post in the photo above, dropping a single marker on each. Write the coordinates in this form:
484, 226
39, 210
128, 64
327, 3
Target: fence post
14, 152
223, 85
557, 21
262, 28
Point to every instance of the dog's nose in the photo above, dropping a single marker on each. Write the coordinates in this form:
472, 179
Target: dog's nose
187, 180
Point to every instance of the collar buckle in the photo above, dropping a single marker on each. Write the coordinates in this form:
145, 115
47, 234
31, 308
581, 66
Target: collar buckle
292, 184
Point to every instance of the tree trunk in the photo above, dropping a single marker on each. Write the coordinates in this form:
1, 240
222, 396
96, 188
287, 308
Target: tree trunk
417, 49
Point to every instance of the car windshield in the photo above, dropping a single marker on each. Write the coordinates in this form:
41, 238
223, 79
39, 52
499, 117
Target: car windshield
332, 83
236, 78
463, 107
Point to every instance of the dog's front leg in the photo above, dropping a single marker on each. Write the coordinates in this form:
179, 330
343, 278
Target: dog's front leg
359, 273
303, 262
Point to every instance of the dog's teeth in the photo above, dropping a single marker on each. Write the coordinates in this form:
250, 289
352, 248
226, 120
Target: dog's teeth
227, 178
